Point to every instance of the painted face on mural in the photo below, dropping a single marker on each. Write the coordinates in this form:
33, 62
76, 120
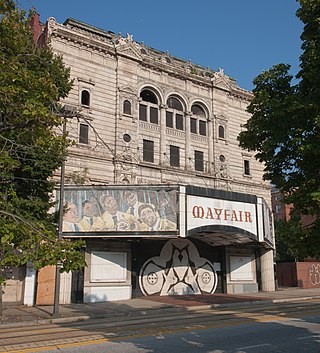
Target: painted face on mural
130, 198
148, 215
71, 214
87, 208
111, 205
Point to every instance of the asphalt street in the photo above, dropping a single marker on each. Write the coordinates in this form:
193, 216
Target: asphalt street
263, 328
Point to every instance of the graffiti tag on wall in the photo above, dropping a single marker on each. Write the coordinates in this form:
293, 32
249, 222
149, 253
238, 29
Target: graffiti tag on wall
314, 274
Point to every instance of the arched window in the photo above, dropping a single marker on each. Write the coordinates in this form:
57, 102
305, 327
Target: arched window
85, 97
148, 107
198, 122
221, 132
174, 114
127, 107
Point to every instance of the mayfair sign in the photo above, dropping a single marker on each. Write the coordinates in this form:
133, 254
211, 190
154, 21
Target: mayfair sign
204, 211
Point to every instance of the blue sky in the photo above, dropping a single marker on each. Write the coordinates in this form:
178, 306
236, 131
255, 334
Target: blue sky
244, 37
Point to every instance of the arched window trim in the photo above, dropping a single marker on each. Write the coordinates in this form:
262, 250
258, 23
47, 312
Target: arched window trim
149, 106
199, 121
175, 117
85, 97
221, 132
127, 107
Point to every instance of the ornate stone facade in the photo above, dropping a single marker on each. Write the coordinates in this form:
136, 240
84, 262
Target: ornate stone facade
146, 117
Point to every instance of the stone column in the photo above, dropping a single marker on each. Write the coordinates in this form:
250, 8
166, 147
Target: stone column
210, 146
188, 115
267, 270
163, 140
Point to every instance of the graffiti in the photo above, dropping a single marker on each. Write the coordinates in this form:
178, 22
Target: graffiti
314, 272
178, 270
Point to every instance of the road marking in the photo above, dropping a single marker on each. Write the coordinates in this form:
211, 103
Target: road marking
256, 346
307, 337
59, 346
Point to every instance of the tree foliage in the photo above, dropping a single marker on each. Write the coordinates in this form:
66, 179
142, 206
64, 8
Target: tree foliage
284, 128
32, 79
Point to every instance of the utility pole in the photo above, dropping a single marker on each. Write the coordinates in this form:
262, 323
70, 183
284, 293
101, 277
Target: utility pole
61, 206
67, 112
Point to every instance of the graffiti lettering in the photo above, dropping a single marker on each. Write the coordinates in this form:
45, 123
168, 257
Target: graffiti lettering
314, 272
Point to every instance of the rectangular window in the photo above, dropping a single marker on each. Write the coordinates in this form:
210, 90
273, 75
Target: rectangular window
153, 115
84, 133
193, 125
179, 122
148, 151
246, 167
202, 127
142, 112
278, 208
198, 161
174, 156
169, 119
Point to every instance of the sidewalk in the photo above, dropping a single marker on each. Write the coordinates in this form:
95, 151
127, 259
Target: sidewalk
20, 315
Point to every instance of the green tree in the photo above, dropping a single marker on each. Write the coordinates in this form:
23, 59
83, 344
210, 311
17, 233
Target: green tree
32, 80
284, 128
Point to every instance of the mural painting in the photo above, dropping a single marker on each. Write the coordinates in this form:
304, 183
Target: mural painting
105, 209
178, 270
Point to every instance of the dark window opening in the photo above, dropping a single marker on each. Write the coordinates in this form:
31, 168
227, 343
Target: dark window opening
221, 132
193, 125
126, 107
199, 162
126, 138
174, 103
197, 110
174, 156
153, 115
148, 151
169, 119
142, 112
84, 134
179, 122
246, 166
85, 97
202, 127
148, 96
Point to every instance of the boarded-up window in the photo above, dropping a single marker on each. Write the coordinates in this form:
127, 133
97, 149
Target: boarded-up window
108, 266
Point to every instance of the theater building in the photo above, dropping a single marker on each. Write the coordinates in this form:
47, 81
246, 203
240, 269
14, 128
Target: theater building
156, 184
